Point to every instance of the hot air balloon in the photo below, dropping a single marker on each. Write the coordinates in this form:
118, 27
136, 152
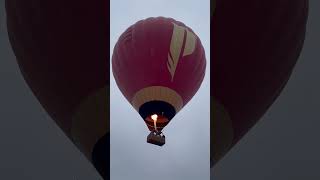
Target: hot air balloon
158, 64
62, 51
255, 45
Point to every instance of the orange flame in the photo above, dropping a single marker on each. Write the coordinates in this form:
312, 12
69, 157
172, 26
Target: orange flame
155, 118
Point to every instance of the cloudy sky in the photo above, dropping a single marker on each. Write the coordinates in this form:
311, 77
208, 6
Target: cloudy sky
186, 153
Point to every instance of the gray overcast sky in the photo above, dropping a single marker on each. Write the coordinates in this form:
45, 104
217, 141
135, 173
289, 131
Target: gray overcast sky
186, 153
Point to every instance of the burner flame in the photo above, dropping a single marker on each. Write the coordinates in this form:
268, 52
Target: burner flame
155, 118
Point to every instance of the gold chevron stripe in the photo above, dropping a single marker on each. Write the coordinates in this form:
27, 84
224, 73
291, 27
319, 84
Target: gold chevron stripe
176, 47
190, 44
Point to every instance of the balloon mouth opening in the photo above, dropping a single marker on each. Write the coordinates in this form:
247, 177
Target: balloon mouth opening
159, 109
156, 114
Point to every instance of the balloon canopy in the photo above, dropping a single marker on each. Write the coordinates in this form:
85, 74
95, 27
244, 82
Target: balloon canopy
158, 64
65, 64
255, 45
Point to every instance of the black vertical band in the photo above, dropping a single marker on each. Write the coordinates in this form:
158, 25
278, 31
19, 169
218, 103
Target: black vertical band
101, 156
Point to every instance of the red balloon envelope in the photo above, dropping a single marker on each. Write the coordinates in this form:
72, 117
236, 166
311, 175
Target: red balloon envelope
61, 48
158, 64
255, 45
